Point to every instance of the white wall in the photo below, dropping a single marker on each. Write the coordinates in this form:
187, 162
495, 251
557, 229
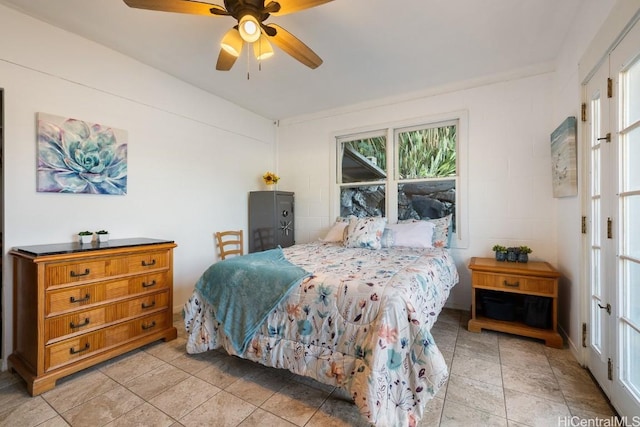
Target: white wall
192, 157
509, 174
510, 198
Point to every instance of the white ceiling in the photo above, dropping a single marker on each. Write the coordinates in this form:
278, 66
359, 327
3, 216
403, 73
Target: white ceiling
371, 48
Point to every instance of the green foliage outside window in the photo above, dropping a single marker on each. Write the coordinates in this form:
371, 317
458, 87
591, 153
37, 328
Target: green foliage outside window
428, 153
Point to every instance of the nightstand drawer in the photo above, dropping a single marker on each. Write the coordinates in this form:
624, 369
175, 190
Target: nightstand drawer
514, 283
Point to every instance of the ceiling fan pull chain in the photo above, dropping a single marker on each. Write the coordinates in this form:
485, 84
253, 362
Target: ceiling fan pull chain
248, 63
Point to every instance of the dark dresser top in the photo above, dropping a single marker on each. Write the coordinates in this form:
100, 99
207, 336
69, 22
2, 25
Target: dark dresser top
71, 247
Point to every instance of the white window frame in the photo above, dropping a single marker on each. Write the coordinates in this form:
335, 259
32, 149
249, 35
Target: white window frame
460, 238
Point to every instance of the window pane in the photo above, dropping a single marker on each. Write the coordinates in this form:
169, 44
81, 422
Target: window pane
631, 159
632, 287
427, 199
632, 95
427, 153
631, 349
595, 171
596, 289
596, 325
595, 122
595, 222
364, 160
631, 235
363, 201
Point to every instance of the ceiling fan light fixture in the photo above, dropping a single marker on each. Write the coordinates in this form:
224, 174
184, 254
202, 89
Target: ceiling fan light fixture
249, 28
232, 42
262, 49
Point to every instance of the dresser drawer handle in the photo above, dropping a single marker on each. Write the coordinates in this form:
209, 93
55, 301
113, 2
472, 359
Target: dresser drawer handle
73, 351
148, 264
148, 285
87, 297
74, 274
512, 285
79, 325
149, 325
153, 303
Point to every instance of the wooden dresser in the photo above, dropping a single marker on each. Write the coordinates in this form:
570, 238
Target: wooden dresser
76, 305
538, 279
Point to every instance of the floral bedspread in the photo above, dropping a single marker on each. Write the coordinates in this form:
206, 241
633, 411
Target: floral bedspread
361, 321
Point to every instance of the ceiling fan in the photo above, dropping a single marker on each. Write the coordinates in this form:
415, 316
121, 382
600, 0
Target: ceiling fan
251, 29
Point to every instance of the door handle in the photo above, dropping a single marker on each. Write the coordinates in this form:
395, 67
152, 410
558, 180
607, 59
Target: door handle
606, 307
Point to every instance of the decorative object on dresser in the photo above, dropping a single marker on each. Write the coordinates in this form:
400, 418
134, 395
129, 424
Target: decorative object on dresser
271, 220
501, 252
85, 237
520, 298
103, 236
523, 253
78, 305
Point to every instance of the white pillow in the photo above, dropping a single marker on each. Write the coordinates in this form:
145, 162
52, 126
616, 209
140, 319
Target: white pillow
417, 234
336, 233
441, 231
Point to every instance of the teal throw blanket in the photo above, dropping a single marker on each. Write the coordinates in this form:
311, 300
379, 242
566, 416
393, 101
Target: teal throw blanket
243, 290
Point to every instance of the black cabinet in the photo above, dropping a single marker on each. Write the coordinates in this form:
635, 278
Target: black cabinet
271, 220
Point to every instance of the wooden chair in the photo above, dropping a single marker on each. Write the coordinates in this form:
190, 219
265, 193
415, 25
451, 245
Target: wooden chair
230, 243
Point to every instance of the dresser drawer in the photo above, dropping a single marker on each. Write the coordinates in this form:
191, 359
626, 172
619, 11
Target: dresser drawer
59, 274
70, 273
79, 297
513, 283
148, 261
80, 347
57, 328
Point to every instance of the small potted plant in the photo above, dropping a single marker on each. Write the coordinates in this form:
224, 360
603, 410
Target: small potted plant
501, 252
523, 253
85, 236
103, 235
512, 254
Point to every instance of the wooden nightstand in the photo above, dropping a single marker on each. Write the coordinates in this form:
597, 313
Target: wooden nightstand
531, 278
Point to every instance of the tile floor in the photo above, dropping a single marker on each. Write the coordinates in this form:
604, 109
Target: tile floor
495, 380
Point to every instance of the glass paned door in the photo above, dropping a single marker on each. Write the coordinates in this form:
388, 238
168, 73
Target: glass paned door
613, 137
599, 150
626, 384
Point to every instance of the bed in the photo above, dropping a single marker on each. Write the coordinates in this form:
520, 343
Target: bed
358, 318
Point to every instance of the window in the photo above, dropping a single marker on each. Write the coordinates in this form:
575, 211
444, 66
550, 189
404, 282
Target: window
403, 172
363, 173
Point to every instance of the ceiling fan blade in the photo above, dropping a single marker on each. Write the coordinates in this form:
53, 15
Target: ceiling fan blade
290, 6
225, 61
294, 47
179, 6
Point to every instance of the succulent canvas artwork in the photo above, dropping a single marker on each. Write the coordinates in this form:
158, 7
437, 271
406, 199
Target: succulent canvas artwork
75, 156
